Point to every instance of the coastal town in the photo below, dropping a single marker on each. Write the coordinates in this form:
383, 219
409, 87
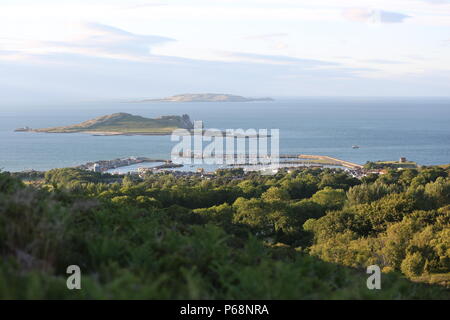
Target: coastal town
144, 165
105, 165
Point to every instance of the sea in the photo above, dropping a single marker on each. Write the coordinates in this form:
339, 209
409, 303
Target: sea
383, 128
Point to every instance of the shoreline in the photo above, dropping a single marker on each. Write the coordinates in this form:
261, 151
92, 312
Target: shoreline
191, 132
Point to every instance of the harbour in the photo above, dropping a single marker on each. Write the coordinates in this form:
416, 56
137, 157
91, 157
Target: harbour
144, 165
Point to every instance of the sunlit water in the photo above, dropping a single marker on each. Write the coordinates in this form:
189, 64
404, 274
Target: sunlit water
384, 128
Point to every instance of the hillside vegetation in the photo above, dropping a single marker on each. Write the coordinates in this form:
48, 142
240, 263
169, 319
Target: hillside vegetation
307, 234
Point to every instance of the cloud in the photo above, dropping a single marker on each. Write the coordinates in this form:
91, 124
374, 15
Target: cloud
107, 62
81, 76
270, 36
145, 5
437, 1
274, 40
8, 52
95, 40
373, 16
278, 59
383, 61
103, 39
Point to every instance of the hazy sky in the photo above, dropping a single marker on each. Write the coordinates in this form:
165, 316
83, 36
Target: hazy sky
98, 49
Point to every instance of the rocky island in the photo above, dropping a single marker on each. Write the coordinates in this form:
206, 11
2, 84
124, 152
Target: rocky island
206, 97
131, 125
123, 124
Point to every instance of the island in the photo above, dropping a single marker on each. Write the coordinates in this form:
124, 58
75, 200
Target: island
206, 97
128, 124
123, 124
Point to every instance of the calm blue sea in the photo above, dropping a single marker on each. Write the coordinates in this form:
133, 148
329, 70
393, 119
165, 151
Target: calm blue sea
384, 128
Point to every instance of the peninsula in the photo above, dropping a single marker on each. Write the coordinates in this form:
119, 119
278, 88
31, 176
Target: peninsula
123, 124
206, 97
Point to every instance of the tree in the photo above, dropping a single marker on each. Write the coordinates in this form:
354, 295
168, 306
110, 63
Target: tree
254, 213
302, 187
366, 193
338, 180
330, 199
439, 191
274, 194
413, 264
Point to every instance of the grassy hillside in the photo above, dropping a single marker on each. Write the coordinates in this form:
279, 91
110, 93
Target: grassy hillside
391, 165
126, 124
232, 237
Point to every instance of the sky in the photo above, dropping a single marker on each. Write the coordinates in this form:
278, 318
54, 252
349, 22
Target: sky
126, 49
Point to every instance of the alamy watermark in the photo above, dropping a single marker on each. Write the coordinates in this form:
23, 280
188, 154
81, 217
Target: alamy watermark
226, 147
74, 280
373, 281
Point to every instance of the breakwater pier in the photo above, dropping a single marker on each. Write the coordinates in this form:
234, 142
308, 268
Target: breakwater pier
284, 160
105, 165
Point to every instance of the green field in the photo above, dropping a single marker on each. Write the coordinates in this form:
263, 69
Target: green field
391, 164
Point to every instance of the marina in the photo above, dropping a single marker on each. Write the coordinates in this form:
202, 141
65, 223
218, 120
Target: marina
249, 163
